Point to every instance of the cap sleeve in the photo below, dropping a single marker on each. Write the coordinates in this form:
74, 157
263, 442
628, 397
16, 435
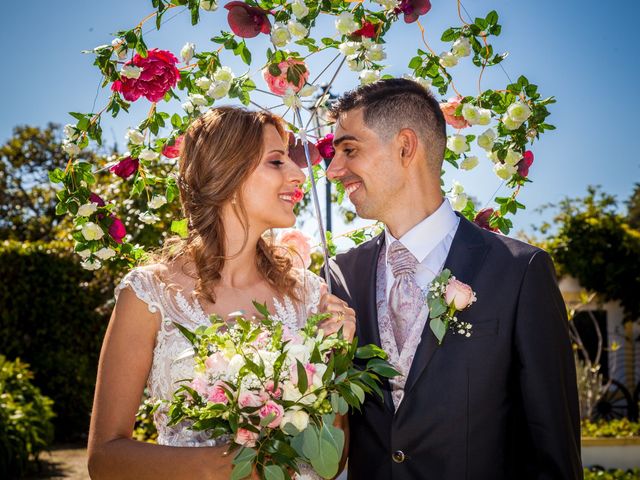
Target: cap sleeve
146, 286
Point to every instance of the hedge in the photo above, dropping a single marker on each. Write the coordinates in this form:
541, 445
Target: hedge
53, 314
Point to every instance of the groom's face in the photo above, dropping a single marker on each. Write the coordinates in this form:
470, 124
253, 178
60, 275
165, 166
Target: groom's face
365, 164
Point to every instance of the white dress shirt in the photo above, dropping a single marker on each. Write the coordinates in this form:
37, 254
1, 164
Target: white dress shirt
429, 241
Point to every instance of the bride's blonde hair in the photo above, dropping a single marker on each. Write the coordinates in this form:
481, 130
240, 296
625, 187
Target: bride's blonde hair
220, 151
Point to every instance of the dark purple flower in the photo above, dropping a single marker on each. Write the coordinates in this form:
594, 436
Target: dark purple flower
125, 167
524, 164
482, 219
96, 199
247, 21
325, 147
412, 9
117, 230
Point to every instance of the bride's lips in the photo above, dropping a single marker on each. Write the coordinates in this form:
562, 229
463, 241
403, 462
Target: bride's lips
292, 197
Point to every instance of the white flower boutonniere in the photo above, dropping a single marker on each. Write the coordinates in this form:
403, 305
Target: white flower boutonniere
445, 298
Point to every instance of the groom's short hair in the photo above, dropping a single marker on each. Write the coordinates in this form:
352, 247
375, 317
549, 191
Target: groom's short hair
390, 105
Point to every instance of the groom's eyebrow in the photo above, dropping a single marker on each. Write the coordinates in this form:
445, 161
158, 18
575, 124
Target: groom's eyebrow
343, 138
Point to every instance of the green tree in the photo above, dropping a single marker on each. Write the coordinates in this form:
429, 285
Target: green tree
633, 206
596, 245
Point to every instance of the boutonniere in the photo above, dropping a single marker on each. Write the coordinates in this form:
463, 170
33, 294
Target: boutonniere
446, 297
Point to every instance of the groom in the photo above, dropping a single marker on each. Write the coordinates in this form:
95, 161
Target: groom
500, 404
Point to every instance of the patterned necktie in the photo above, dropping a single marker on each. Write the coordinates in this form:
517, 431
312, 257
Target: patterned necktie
405, 298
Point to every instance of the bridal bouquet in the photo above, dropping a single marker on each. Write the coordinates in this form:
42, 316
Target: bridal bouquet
276, 392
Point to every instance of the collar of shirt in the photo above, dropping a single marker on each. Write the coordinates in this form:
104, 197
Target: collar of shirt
426, 235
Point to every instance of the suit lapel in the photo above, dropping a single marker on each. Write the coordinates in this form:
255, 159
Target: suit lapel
466, 255
367, 310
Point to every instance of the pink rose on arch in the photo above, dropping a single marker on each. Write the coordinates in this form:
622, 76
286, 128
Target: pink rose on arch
459, 294
159, 75
449, 112
272, 408
247, 21
325, 147
278, 84
125, 167
173, 151
117, 230
412, 9
246, 438
482, 219
297, 245
524, 164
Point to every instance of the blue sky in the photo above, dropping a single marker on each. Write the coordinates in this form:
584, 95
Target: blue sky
583, 53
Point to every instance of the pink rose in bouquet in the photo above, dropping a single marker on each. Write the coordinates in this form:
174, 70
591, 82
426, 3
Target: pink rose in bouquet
294, 79
249, 399
246, 438
159, 75
449, 111
297, 245
217, 394
271, 408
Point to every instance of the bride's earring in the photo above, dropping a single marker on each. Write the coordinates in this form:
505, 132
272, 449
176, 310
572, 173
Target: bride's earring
233, 200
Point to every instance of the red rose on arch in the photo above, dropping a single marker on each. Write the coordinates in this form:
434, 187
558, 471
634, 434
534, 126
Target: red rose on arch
482, 219
368, 30
524, 164
173, 151
247, 21
117, 230
412, 9
325, 147
125, 167
159, 75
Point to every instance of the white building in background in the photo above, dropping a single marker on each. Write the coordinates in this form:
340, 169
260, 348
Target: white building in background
623, 364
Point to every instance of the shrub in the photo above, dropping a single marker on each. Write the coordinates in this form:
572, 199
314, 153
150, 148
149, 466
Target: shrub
597, 473
25, 418
611, 429
53, 315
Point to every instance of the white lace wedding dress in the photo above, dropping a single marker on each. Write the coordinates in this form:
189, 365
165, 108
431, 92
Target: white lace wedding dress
167, 368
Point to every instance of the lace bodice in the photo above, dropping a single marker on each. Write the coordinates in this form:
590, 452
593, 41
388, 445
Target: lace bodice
168, 365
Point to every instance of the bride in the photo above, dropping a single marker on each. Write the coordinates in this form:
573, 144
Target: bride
236, 182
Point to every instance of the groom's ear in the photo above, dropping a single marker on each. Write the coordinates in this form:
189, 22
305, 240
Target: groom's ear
408, 145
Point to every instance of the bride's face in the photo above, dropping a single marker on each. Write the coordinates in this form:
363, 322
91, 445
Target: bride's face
268, 192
